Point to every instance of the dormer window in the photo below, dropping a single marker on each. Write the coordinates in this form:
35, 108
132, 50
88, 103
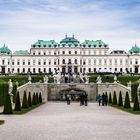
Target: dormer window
34, 46
44, 46
89, 46
105, 46
100, 46
49, 45
84, 46
69, 45
39, 46
94, 46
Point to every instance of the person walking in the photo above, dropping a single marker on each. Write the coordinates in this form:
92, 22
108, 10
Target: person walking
68, 98
86, 99
99, 99
103, 99
81, 99
106, 99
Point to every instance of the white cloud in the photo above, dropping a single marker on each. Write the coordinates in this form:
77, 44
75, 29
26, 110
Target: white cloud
53, 19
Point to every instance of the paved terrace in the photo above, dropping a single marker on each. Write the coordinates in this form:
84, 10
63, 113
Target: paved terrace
58, 121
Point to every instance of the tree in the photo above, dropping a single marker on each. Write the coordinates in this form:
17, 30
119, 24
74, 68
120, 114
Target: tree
110, 98
37, 98
120, 99
17, 103
136, 106
114, 98
34, 99
7, 105
127, 101
29, 99
25, 102
40, 98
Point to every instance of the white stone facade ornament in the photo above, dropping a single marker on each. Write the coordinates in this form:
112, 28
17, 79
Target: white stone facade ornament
29, 79
129, 85
57, 78
86, 78
81, 77
46, 79
138, 90
115, 79
99, 79
10, 90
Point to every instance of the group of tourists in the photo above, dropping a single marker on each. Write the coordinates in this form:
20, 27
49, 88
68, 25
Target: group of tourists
102, 99
83, 99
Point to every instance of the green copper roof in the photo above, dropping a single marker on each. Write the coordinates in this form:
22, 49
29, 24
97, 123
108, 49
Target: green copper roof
5, 49
21, 52
44, 44
134, 49
95, 44
70, 41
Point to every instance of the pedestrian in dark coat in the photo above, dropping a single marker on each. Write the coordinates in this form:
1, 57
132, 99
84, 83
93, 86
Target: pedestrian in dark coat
86, 99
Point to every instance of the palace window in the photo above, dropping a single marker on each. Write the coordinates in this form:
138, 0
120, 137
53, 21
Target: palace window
29, 63
100, 62
75, 61
121, 61
69, 61
49, 62
39, 62
94, 61
75, 52
18, 62
44, 53
23, 62
63, 61
69, 52
89, 61
44, 62
18, 70
33, 62
63, 52
115, 61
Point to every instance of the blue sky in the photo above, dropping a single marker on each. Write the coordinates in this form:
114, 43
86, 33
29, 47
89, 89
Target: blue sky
23, 22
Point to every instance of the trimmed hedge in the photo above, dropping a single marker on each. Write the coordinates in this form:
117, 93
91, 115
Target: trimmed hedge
114, 98
127, 101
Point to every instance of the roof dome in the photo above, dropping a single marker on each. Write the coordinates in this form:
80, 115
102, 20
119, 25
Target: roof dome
69, 41
134, 49
5, 49
21, 52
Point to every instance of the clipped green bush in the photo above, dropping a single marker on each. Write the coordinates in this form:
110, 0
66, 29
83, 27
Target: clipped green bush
114, 98
37, 98
17, 103
127, 101
40, 97
120, 99
34, 99
7, 105
136, 106
29, 99
24, 102
110, 98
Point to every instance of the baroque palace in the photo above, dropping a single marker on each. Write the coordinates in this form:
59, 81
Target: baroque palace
69, 56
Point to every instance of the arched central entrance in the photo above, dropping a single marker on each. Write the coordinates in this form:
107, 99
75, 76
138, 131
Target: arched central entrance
73, 92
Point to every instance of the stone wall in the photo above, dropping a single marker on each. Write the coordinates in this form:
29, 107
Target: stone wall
52, 91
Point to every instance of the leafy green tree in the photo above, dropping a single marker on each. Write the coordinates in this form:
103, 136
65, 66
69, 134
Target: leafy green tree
120, 99
114, 98
7, 105
25, 102
40, 98
136, 106
110, 98
127, 101
29, 99
17, 103
34, 99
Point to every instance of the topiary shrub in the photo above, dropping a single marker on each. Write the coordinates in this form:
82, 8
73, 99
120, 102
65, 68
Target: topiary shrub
136, 106
37, 98
34, 99
40, 98
29, 99
110, 98
120, 99
114, 98
127, 101
17, 103
7, 105
25, 102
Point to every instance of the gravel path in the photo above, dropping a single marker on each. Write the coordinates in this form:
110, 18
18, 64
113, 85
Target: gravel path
58, 121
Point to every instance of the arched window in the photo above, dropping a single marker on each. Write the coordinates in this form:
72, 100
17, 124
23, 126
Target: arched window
75, 61
69, 61
63, 61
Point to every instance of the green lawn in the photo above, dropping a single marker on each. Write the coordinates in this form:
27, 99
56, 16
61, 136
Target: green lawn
129, 110
23, 111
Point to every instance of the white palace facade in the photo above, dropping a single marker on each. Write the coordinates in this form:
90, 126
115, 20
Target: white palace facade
69, 56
